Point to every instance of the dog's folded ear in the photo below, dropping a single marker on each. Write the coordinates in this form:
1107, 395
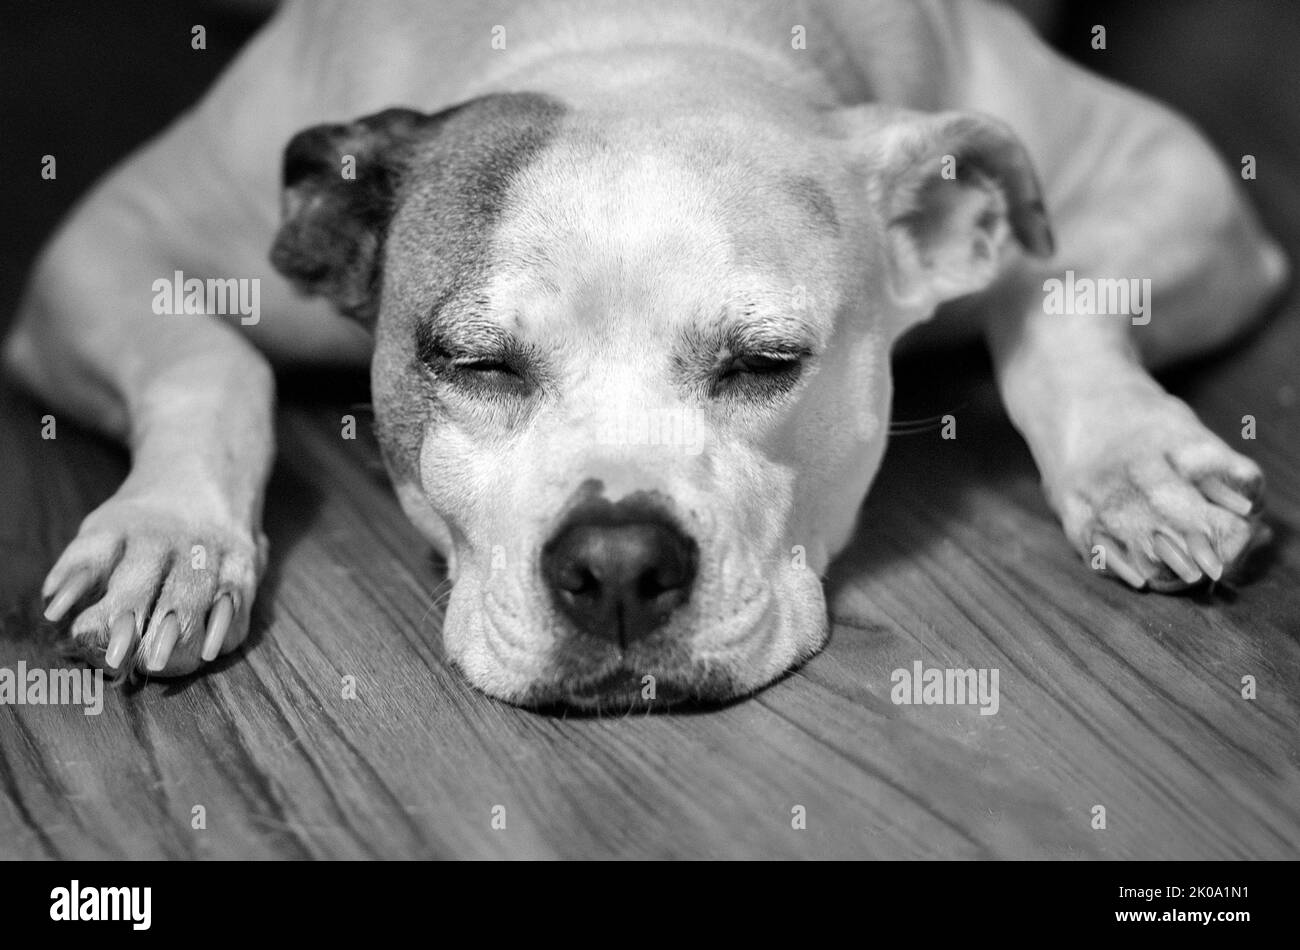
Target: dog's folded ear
954, 190
340, 183
343, 184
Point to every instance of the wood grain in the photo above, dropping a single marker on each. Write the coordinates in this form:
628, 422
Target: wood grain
1107, 697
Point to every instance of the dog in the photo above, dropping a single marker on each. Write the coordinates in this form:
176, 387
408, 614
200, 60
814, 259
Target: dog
628, 279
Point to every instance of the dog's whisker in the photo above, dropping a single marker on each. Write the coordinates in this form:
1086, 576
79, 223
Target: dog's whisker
912, 422
915, 430
441, 597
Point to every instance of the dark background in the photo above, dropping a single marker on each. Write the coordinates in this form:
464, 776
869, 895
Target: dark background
88, 80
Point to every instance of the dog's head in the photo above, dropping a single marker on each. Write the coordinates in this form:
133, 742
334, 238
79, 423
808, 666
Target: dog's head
631, 373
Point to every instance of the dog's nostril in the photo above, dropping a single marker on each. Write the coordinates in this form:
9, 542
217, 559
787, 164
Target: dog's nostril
663, 578
577, 580
618, 580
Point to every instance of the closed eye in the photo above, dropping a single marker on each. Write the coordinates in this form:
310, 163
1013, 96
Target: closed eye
763, 364
759, 374
486, 366
494, 375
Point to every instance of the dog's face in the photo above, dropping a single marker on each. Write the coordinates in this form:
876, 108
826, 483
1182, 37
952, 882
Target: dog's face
631, 373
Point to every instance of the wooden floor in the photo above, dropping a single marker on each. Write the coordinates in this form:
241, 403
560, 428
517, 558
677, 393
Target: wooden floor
1128, 701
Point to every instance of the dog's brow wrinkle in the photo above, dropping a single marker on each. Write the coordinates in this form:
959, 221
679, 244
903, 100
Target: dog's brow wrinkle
440, 304
765, 332
809, 193
702, 347
464, 334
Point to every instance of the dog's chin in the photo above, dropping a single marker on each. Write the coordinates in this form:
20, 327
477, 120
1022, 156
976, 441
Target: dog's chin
622, 690
625, 685
617, 683
672, 669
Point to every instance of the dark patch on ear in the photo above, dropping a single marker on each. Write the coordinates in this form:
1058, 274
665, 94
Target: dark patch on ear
334, 225
340, 184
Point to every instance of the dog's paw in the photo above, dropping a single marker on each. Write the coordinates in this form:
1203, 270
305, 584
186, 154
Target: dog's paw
158, 590
1162, 502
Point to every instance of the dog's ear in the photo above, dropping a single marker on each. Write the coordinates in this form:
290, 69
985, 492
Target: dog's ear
954, 190
340, 186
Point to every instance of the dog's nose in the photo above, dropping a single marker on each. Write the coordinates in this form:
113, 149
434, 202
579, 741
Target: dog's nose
619, 579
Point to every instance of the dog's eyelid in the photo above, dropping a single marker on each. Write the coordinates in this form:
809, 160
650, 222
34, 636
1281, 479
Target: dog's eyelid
760, 363
469, 343
780, 354
492, 362
767, 338
785, 355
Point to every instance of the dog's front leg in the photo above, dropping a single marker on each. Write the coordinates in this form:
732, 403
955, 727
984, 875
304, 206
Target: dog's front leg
161, 576
1140, 201
1141, 486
